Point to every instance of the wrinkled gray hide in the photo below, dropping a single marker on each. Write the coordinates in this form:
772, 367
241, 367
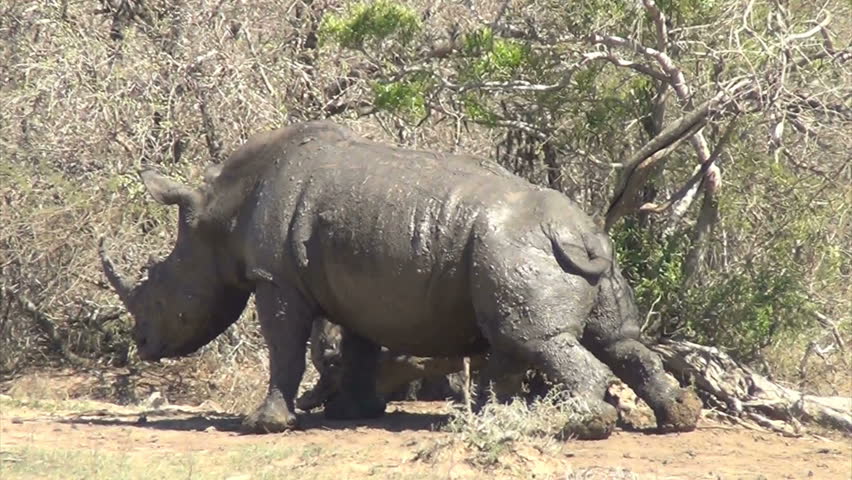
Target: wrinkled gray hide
424, 253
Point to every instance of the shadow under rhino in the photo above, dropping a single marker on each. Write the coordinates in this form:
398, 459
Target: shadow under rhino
396, 421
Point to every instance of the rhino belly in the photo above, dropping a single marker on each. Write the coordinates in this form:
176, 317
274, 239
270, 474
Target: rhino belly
409, 312
412, 334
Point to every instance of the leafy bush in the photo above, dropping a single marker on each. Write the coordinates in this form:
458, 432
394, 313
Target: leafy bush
746, 302
406, 98
370, 22
492, 58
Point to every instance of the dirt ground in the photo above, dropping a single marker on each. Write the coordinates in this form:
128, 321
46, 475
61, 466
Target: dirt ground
76, 439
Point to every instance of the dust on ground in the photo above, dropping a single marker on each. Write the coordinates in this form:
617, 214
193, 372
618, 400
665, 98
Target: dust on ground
76, 438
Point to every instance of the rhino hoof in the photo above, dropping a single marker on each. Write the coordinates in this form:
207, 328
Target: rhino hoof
343, 407
270, 418
681, 415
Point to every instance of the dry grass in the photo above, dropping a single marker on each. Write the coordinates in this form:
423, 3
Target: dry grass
249, 463
38, 463
495, 433
193, 455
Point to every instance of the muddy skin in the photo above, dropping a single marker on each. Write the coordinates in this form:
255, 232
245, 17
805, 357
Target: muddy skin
423, 253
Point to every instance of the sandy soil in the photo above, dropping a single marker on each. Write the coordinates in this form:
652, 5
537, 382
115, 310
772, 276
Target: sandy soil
407, 441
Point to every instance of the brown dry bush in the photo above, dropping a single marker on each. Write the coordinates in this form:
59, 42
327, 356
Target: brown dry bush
92, 90
87, 98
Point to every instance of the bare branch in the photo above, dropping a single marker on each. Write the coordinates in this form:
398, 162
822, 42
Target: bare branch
813, 31
659, 22
707, 216
619, 62
517, 125
46, 324
675, 78
638, 167
696, 177
835, 332
674, 75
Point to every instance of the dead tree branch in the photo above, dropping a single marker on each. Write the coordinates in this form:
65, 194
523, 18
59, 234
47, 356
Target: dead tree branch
672, 76
638, 167
696, 177
748, 397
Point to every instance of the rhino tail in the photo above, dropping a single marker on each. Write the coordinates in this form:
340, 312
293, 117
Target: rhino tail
590, 258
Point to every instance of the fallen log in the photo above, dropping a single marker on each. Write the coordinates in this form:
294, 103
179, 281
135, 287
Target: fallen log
737, 391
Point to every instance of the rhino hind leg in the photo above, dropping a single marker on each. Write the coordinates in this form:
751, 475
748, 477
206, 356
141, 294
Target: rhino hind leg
357, 397
532, 314
562, 358
676, 409
584, 378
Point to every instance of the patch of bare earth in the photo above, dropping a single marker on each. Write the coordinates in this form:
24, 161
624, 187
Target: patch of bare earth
45, 439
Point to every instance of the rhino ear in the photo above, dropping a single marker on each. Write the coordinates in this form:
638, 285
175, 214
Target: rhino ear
169, 192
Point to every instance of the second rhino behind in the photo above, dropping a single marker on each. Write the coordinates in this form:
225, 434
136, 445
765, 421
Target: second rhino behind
424, 253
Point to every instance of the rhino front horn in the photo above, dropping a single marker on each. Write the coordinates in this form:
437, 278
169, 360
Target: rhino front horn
121, 286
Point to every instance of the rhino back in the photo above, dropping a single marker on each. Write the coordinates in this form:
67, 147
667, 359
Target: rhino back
381, 237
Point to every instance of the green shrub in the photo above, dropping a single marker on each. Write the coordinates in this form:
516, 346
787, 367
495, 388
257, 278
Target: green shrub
370, 22
406, 97
493, 58
747, 300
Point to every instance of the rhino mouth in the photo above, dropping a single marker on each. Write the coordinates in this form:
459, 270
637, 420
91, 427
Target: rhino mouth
154, 353
148, 350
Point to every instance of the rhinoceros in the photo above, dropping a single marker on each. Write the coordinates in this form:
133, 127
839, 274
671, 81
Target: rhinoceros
425, 253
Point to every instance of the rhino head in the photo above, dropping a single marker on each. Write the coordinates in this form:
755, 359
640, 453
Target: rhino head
192, 295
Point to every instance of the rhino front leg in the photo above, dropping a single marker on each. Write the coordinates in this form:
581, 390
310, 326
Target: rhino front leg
357, 397
285, 321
